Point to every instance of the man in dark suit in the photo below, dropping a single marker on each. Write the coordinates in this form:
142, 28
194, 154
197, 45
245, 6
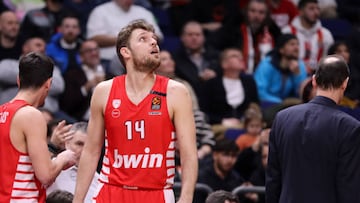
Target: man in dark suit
314, 147
195, 62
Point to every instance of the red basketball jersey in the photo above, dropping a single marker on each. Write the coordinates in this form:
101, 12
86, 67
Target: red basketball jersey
18, 180
140, 139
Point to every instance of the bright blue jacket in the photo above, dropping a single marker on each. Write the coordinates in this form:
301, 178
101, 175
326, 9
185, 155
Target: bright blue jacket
59, 54
274, 86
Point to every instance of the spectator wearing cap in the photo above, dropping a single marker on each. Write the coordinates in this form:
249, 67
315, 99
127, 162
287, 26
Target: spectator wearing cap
280, 74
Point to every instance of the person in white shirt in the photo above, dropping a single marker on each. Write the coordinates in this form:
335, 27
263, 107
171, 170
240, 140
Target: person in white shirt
67, 178
314, 39
106, 20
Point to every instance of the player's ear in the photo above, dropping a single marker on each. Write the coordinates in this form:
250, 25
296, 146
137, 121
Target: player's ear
125, 52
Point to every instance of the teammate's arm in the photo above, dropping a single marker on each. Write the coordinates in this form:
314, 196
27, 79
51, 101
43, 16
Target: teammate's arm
183, 118
29, 122
92, 149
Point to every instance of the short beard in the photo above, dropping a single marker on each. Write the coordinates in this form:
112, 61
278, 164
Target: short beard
146, 65
308, 21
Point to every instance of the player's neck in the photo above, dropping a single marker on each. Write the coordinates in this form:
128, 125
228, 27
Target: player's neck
30, 96
138, 85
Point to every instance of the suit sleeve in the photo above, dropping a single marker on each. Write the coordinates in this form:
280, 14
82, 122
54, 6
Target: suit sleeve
348, 169
273, 170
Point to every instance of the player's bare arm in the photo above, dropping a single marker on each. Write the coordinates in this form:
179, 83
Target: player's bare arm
180, 108
96, 133
31, 125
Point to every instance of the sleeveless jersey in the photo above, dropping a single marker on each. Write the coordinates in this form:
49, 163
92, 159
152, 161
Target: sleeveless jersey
18, 180
139, 140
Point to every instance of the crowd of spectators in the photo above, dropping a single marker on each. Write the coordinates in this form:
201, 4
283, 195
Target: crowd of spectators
242, 60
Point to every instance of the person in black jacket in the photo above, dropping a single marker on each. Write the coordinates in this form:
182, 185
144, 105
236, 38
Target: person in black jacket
230, 94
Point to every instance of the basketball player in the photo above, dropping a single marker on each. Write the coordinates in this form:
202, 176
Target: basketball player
25, 163
144, 115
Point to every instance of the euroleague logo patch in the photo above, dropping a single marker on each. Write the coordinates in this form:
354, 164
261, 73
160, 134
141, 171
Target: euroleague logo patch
155, 103
116, 104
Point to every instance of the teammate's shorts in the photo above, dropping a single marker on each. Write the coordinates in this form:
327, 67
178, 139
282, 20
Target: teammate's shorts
116, 194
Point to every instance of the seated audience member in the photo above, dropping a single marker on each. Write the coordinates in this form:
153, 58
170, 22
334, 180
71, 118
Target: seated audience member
67, 178
60, 196
222, 196
10, 41
195, 62
64, 46
58, 133
352, 91
43, 22
80, 82
314, 39
280, 74
255, 36
204, 134
106, 20
9, 71
249, 160
282, 11
253, 124
220, 175
228, 95
257, 178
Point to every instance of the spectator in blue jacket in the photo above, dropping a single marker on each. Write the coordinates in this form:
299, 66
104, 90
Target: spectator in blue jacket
279, 75
64, 46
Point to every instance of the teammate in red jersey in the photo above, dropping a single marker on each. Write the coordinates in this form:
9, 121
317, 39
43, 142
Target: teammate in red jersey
145, 117
26, 166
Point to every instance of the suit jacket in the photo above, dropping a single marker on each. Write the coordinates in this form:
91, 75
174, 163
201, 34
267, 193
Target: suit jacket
215, 104
314, 155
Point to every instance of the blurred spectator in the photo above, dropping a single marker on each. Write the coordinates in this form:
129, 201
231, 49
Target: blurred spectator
352, 91
195, 62
80, 82
230, 94
212, 14
45, 21
220, 175
249, 160
22, 6
64, 46
314, 39
9, 72
253, 124
60, 196
66, 180
280, 74
328, 8
256, 36
222, 196
10, 41
106, 20
82, 8
204, 134
258, 176
282, 11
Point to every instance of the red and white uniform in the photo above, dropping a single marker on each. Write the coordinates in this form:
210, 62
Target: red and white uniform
18, 180
139, 162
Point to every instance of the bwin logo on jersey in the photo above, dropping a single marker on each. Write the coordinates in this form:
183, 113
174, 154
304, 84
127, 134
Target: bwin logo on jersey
146, 160
116, 103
